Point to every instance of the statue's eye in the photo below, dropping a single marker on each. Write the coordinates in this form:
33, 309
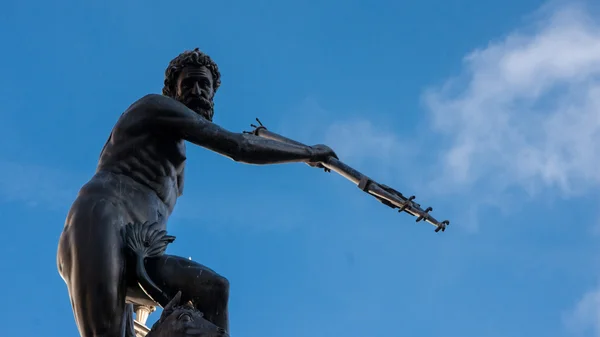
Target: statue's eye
185, 317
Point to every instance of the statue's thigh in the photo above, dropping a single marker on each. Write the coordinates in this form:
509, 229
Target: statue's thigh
92, 255
174, 273
208, 290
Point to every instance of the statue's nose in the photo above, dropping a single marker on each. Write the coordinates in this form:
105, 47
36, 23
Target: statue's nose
196, 90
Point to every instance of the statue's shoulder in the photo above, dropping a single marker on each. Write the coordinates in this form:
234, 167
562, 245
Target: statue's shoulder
152, 104
148, 101
143, 108
137, 112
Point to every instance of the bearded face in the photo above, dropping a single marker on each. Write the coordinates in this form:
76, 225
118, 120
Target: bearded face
194, 88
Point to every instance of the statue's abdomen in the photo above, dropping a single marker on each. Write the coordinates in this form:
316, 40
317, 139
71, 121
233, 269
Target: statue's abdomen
130, 200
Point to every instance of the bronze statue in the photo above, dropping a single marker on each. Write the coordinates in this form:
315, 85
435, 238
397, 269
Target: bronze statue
184, 321
138, 179
139, 176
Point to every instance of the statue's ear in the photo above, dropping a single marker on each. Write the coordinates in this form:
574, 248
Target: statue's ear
174, 302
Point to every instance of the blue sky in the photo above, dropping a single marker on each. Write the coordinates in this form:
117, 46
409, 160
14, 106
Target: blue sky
486, 110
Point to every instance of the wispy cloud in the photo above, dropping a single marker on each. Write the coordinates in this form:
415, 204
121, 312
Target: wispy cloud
524, 114
521, 117
37, 186
358, 141
585, 317
525, 109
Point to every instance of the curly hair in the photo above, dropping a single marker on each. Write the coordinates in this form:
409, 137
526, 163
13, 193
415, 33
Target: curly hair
189, 57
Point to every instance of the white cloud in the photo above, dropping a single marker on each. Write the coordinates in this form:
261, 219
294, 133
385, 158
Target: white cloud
525, 113
526, 109
585, 317
358, 141
522, 115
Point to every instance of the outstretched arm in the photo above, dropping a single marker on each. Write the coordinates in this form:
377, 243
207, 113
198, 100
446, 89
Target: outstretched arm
170, 117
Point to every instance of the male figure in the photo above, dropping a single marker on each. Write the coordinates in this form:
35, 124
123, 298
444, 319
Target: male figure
139, 177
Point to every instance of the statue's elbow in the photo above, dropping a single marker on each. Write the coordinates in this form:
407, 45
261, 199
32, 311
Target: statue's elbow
240, 153
245, 153
237, 157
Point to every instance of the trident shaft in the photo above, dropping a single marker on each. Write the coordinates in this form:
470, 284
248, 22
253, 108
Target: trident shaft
385, 194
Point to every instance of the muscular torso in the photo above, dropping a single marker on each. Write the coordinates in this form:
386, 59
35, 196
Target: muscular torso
141, 169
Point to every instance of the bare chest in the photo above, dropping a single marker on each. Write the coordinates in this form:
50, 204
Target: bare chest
153, 162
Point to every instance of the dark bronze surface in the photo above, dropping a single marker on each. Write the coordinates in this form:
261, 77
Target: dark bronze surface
139, 176
184, 321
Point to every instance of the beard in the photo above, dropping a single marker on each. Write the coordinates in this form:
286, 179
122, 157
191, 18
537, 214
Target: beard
199, 105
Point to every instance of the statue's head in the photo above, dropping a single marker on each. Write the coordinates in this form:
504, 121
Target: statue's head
193, 79
184, 321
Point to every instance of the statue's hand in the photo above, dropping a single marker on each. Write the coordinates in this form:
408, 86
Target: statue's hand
320, 154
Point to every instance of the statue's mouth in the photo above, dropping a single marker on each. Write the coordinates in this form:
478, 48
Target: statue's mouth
201, 106
198, 103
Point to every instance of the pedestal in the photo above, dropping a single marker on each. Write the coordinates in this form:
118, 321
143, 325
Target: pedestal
141, 316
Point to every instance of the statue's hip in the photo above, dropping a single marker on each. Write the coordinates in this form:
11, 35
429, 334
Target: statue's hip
126, 199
